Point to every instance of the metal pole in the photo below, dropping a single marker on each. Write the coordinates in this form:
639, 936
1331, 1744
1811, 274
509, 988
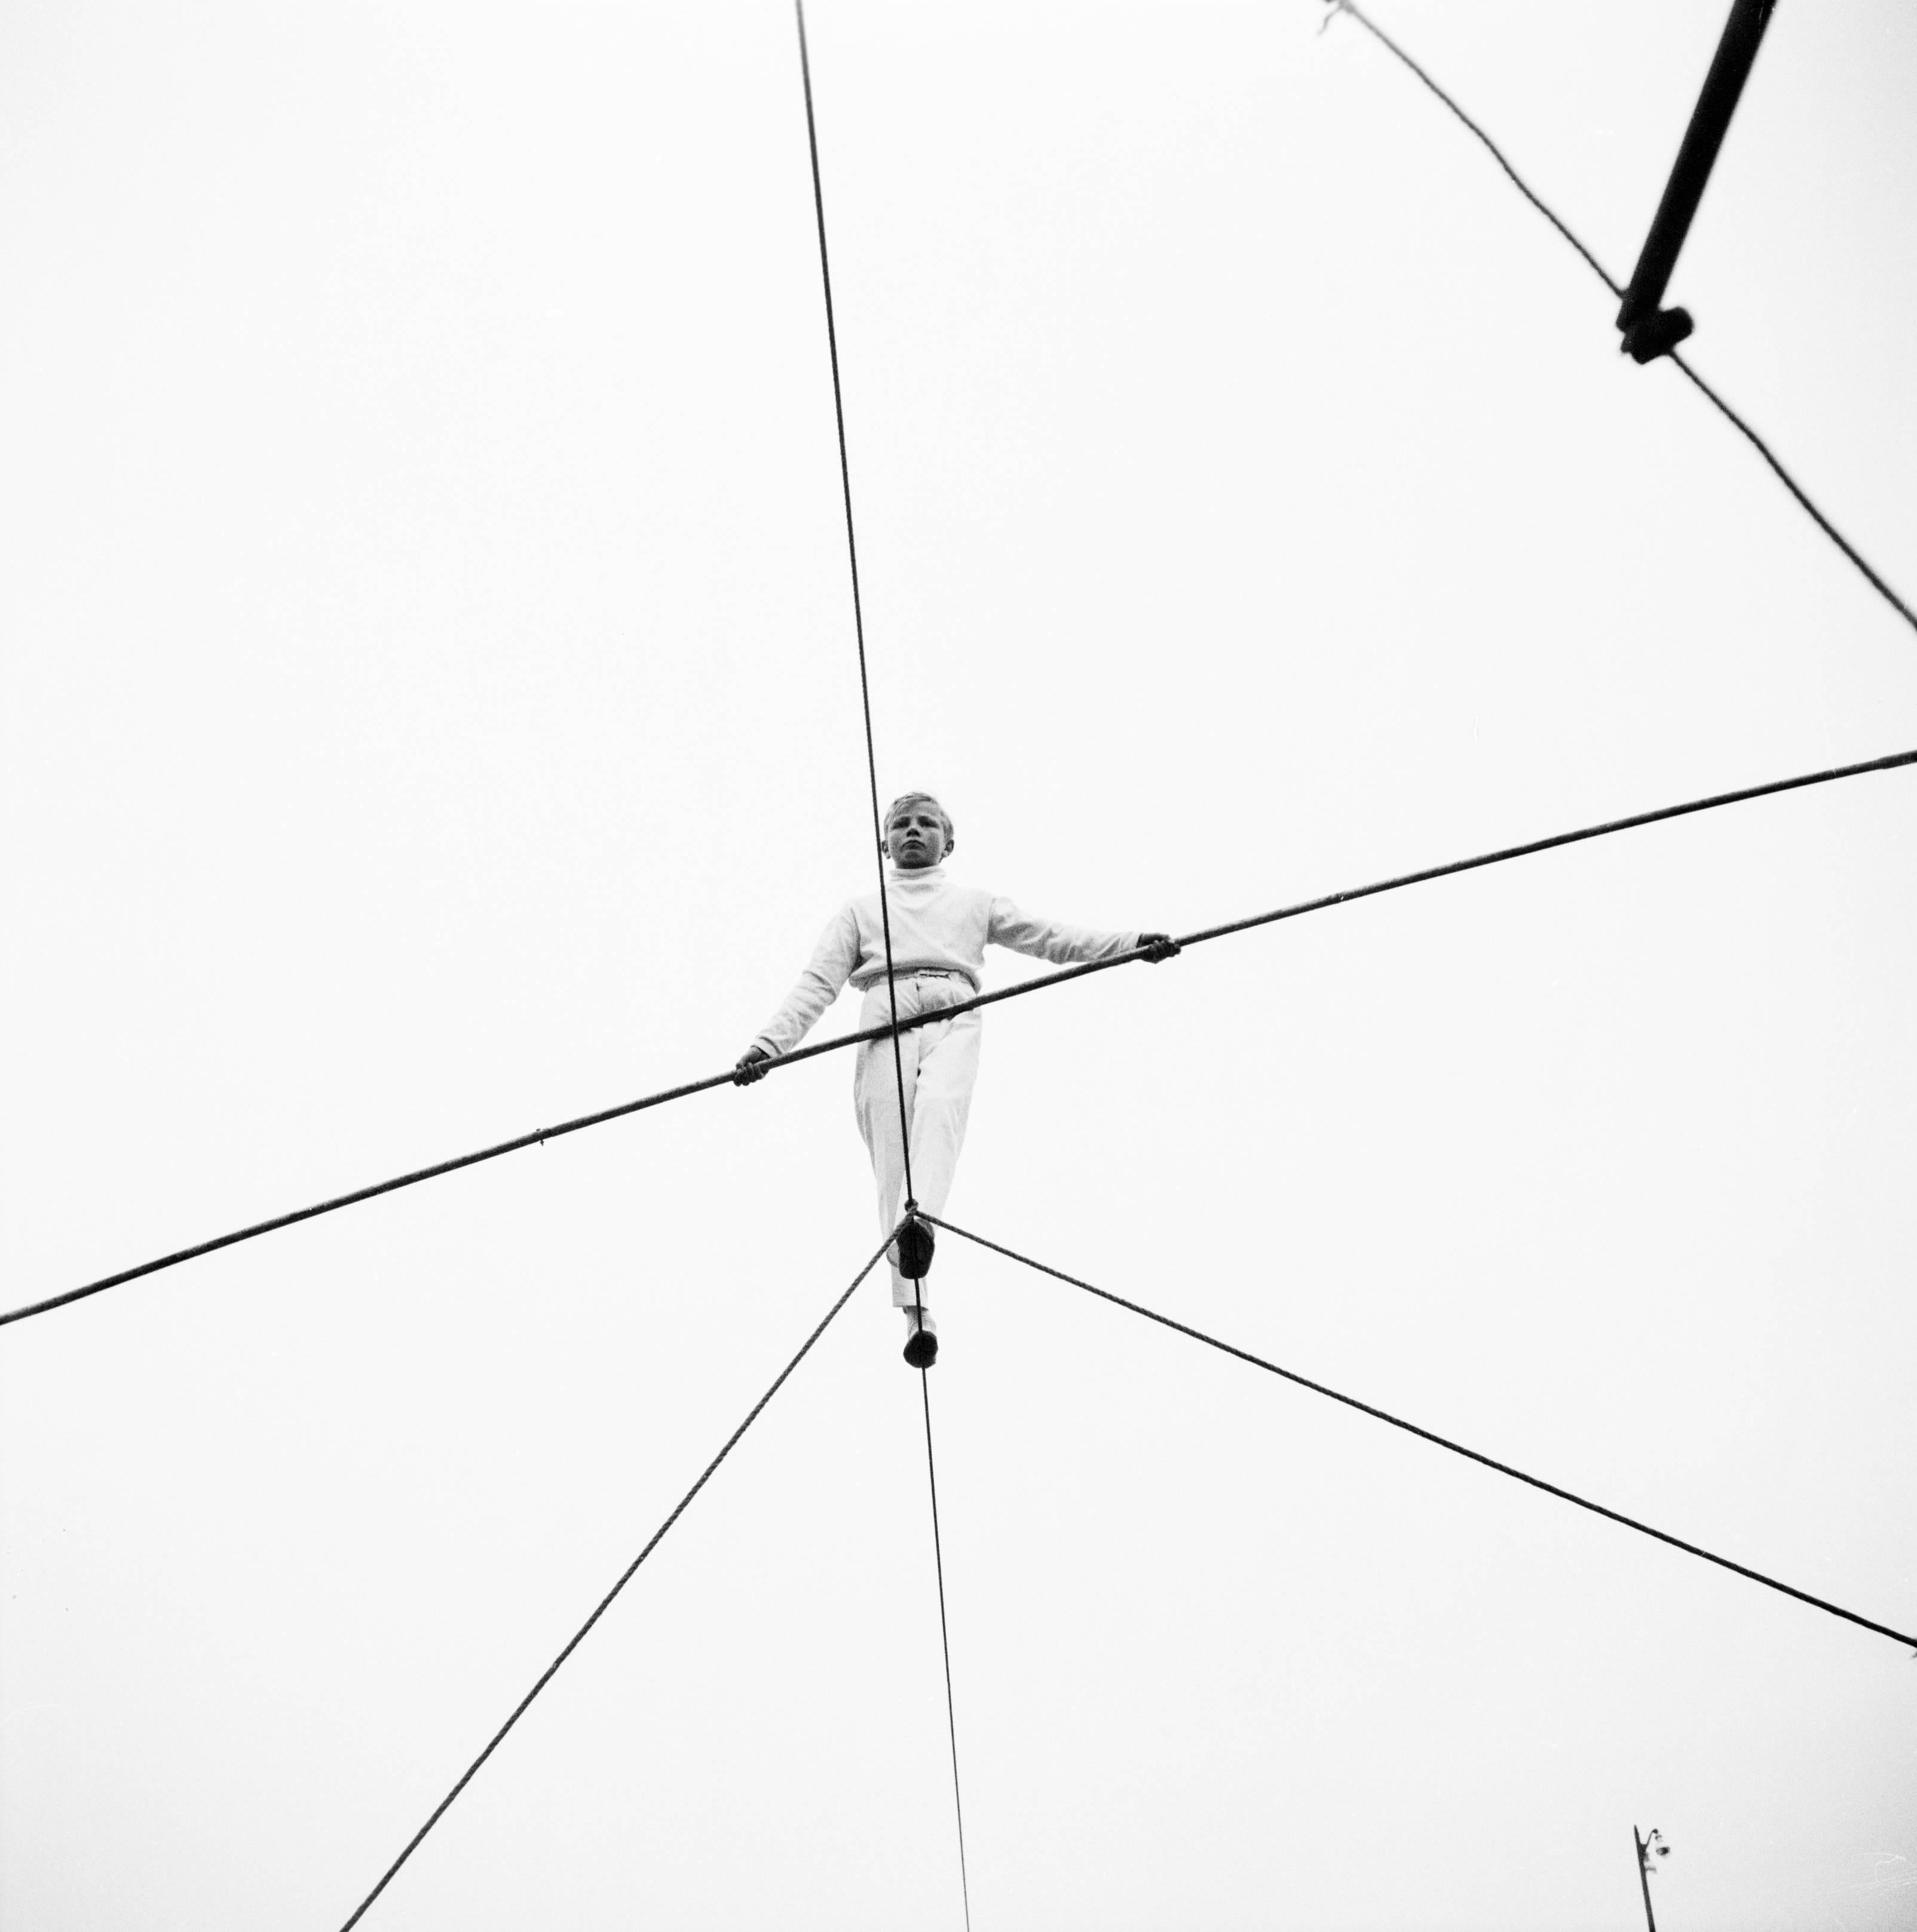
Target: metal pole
1650, 330
1644, 1876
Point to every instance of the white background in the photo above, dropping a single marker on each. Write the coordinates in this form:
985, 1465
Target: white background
430, 710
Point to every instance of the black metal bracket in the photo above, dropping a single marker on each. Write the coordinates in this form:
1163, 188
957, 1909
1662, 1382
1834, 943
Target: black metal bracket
1649, 329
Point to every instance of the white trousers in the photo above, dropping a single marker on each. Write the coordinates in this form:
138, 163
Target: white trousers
940, 1062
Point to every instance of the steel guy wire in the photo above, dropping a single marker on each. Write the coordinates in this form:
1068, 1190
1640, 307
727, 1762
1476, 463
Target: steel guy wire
578, 1636
1441, 1441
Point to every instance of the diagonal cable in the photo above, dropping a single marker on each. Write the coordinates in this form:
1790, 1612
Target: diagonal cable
578, 1636
945, 1644
1496, 153
1442, 1441
540, 1136
1790, 483
1723, 409
858, 608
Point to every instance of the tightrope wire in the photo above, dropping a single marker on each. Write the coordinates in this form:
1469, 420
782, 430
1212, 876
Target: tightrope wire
539, 1135
578, 1636
1730, 416
1430, 1435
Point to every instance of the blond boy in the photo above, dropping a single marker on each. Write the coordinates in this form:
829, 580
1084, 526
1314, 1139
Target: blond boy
940, 930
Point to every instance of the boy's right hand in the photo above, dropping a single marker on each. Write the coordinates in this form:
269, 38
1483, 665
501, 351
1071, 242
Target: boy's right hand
753, 1064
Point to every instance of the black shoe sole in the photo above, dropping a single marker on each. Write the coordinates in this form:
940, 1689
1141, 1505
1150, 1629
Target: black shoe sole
921, 1351
915, 1250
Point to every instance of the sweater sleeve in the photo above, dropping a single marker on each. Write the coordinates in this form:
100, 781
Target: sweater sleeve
833, 958
1045, 939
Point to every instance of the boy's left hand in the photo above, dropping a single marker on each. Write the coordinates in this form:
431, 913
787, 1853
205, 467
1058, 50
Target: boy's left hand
1158, 946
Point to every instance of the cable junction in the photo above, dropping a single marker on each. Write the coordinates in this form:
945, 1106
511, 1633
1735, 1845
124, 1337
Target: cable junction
605, 1602
1039, 983
1730, 416
1432, 1436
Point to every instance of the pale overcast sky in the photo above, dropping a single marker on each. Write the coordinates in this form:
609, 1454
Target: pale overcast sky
430, 710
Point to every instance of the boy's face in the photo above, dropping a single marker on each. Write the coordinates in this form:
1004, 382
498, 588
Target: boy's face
915, 836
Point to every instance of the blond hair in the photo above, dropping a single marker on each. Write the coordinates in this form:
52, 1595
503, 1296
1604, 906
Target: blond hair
919, 798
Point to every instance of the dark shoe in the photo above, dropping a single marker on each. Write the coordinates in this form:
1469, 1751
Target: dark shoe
915, 1250
922, 1348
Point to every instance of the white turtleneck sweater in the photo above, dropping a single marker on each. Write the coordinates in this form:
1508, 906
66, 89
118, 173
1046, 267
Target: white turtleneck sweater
936, 926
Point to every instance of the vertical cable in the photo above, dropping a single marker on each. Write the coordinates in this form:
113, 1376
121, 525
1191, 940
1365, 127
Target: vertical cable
885, 912
945, 1641
858, 608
